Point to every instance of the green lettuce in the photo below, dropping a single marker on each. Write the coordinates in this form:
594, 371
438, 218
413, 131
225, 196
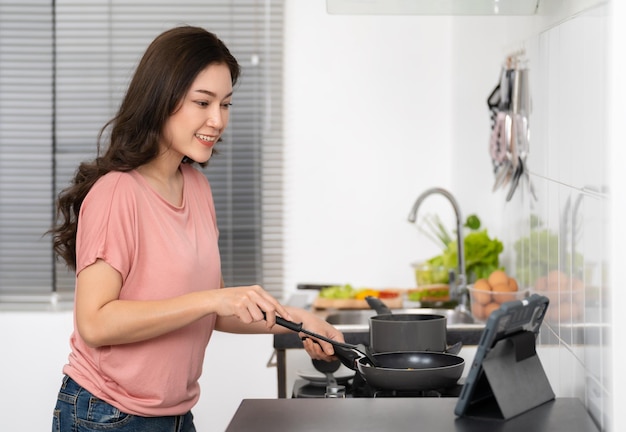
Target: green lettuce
482, 254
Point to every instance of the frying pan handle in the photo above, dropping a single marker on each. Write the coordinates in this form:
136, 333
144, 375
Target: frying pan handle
297, 327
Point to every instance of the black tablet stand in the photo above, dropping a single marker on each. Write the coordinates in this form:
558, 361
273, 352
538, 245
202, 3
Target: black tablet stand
513, 380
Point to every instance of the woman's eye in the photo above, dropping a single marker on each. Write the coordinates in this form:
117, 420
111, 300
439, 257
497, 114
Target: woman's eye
202, 103
227, 105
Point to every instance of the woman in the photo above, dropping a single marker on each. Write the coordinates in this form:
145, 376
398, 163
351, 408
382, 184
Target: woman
138, 226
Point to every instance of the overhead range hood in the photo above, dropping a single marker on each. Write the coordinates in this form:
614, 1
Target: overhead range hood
432, 7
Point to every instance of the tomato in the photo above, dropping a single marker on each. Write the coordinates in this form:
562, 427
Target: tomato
388, 294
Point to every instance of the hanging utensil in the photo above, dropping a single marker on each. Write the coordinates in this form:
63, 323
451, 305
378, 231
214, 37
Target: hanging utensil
497, 144
508, 144
515, 180
522, 104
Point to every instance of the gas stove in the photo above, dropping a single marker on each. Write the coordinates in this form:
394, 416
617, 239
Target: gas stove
358, 388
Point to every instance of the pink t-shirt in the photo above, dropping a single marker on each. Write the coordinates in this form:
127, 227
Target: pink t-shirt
161, 251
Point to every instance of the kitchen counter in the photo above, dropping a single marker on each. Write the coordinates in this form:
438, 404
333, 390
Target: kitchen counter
399, 415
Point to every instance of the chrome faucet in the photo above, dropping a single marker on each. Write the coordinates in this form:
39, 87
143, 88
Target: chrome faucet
458, 290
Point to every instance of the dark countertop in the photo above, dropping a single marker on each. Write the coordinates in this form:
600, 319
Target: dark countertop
399, 415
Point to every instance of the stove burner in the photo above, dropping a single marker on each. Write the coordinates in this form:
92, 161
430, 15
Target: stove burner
408, 393
359, 388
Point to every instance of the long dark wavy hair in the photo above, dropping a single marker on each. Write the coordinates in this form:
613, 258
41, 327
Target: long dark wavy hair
165, 73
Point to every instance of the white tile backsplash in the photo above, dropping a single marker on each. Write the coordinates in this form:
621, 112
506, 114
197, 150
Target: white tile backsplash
567, 254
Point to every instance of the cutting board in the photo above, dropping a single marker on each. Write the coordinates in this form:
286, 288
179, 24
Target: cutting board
326, 303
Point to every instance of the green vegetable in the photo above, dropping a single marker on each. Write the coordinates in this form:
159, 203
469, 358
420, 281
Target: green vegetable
472, 222
418, 295
482, 253
435, 230
540, 253
429, 275
338, 292
536, 255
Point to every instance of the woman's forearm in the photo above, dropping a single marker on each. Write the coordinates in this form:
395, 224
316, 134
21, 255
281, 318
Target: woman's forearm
126, 321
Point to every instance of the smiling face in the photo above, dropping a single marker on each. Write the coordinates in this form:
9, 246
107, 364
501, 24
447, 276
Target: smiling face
202, 116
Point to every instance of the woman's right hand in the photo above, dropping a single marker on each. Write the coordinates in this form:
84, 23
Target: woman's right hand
249, 304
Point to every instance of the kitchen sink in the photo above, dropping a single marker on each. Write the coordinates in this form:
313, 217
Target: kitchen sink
358, 319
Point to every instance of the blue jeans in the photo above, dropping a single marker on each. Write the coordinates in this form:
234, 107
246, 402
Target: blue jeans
77, 410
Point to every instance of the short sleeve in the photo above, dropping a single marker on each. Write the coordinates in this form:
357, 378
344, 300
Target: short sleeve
107, 224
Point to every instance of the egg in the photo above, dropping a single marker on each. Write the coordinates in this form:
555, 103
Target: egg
541, 284
505, 297
482, 291
490, 308
498, 277
557, 281
478, 311
501, 287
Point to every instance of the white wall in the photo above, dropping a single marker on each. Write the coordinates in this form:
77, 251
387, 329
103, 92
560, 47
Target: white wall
366, 129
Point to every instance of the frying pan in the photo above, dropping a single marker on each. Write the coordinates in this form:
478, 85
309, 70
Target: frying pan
409, 370
412, 370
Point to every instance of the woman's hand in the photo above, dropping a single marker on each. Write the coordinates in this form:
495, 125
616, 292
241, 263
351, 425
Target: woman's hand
248, 304
318, 349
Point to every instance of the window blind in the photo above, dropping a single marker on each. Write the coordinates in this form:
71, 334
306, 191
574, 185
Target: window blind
26, 130
91, 49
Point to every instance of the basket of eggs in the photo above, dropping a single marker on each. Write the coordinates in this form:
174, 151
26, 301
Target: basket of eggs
487, 294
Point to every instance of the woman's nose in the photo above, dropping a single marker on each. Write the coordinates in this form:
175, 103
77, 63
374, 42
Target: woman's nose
215, 119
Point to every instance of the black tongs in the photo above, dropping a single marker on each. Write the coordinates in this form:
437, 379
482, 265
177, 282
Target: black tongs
349, 354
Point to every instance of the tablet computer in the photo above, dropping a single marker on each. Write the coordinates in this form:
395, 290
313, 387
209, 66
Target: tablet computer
506, 377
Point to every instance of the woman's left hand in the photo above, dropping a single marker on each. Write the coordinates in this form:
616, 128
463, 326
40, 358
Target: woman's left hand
318, 349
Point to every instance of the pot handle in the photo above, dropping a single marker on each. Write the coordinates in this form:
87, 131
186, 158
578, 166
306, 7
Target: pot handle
454, 348
378, 305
